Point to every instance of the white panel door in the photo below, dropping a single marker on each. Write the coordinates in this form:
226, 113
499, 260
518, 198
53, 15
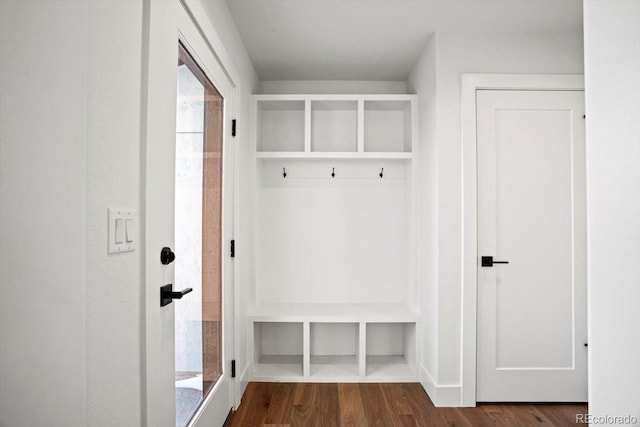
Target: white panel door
175, 143
532, 324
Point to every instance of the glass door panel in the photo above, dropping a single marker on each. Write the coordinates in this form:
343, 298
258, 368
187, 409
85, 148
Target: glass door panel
198, 237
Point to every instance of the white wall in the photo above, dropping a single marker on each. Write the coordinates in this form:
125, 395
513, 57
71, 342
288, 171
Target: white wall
480, 53
455, 54
115, 316
113, 285
43, 93
612, 73
71, 316
331, 87
337, 260
422, 81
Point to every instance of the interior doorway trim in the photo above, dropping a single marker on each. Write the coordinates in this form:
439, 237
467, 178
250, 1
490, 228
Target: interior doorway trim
470, 84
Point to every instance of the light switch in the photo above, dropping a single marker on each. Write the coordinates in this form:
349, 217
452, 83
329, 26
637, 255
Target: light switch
119, 231
128, 230
121, 225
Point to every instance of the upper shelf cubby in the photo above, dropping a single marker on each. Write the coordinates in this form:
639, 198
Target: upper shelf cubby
334, 126
280, 126
387, 126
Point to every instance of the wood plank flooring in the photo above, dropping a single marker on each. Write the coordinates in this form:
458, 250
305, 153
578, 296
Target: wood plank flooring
381, 405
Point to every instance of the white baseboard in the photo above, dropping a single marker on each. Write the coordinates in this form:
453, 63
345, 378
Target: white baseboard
241, 385
440, 395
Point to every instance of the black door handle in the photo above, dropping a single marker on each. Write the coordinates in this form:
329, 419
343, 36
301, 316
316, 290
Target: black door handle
167, 295
487, 261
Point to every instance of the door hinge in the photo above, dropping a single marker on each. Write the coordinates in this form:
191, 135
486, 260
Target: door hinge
233, 127
233, 368
233, 248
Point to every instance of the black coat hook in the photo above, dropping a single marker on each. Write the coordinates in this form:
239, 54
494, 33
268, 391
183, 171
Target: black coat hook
381, 172
284, 173
333, 172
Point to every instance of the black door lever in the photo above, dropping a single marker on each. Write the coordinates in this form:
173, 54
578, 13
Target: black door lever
167, 295
487, 261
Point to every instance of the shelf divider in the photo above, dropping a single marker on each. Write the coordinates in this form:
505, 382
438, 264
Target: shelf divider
362, 350
360, 126
307, 126
306, 349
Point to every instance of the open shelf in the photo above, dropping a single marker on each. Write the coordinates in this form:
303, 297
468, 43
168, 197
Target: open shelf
333, 155
315, 346
334, 349
389, 366
334, 126
334, 367
278, 366
278, 349
387, 126
391, 349
280, 126
334, 313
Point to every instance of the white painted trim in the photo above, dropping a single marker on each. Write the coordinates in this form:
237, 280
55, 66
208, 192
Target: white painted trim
241, 385
440, 395
339, 313
360, 122
200, 18
206, 28
197, 43
470, 84
413, 219
202, 412
333, 155
217, 48
341, 97
160, 30
307, 126
354, 379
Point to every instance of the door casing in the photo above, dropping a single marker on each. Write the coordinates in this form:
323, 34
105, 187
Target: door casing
470, 84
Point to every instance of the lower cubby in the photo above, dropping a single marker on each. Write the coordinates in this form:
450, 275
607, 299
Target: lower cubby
278, 349
391, 349
334, 343
334, 350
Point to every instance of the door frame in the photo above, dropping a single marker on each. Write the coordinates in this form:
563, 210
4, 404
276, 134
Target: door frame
217, 47
166, 24
470, 84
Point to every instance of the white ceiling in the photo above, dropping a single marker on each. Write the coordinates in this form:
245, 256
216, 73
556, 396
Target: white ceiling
376, 39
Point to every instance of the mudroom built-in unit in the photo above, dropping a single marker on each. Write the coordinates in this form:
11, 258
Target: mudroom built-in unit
334, 296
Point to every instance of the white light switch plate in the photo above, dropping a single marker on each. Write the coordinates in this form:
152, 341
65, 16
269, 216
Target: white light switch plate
128, 217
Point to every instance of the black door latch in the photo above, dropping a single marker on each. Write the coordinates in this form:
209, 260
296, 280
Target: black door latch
487, 261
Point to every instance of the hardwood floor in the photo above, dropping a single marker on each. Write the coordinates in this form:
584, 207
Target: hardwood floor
381, 405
